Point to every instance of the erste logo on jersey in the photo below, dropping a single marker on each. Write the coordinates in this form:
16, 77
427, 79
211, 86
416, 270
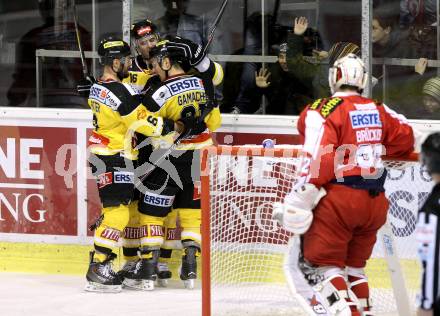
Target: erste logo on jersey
363, 119
183, 85
123, 177
104, 96
158, 200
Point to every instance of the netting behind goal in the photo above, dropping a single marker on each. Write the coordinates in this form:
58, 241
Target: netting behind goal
244, 248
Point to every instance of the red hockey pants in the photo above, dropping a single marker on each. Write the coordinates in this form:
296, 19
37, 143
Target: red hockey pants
344, 227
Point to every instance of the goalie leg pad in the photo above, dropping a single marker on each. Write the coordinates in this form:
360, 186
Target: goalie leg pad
335, 297
299, 287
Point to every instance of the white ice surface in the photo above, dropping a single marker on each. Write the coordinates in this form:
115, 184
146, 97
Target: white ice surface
60, 295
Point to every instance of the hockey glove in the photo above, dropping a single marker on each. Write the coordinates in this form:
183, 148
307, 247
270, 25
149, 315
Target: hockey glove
84, 85
186, 50
295, 214
193, 125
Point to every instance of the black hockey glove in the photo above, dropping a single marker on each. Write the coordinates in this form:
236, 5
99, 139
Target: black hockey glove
193, 126
186, 50
84, 85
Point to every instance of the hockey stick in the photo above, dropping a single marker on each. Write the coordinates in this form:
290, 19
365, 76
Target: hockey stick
217, 19
85, 69
215, 24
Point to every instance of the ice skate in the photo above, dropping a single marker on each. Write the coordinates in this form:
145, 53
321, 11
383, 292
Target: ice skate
101, 277
145, 272
163, 274
188, 270
127, 275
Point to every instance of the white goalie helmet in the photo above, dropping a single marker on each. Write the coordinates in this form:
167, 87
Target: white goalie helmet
348, 70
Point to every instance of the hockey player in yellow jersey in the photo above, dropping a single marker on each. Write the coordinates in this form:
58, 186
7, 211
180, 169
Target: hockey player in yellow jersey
117, 114
145, 36
170, 186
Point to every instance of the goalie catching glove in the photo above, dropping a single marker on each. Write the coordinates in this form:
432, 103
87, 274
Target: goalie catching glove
295, 214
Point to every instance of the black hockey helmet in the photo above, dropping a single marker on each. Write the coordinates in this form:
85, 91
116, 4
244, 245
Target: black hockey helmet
144, 28
112, 48
430, 154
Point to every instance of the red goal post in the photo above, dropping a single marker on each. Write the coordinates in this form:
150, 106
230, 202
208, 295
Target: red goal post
243, 248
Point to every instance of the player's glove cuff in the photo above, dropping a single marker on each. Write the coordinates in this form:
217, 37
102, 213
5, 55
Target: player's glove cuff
84, 85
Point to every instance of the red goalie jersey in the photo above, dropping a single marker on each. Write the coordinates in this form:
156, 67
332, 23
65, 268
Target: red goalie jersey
345, 137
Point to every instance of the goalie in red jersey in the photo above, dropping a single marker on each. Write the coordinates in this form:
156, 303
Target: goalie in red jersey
339, 203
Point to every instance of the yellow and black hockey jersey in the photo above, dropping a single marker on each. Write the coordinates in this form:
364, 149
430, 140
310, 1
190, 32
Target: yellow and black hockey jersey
139, 75
117, 114
176, 98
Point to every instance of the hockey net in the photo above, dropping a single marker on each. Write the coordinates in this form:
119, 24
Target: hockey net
244, 249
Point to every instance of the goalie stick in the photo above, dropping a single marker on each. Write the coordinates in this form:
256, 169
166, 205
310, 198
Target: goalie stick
397, 280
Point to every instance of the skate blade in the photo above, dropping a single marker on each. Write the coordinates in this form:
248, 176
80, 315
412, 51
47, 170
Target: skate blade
101, 288
189, 284
132, 284
162, 282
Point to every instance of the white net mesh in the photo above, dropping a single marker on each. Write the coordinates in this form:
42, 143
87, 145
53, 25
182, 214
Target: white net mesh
247, 246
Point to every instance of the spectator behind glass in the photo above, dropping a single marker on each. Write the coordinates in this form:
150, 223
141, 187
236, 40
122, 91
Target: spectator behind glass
311, 71
59, 75
176, 22
403, 82
285, 94
417, 12
246, 102
431, 99
419, 17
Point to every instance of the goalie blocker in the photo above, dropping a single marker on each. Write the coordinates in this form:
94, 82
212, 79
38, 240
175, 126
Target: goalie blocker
295, 214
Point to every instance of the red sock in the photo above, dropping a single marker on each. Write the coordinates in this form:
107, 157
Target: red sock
360, 288
340, 284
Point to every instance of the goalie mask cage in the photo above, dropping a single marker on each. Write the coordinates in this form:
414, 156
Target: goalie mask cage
244, 250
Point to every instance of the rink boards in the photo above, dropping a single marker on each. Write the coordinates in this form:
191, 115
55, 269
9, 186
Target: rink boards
48, 197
